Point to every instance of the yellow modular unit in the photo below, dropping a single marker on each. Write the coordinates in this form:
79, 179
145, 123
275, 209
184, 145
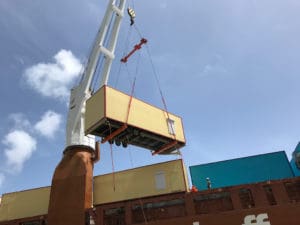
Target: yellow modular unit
24, 204
141, 182
117, 117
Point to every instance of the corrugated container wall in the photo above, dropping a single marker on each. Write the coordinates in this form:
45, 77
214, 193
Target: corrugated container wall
242, 170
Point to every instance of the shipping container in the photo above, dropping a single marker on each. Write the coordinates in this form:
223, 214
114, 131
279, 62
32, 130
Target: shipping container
245, 170
114, 115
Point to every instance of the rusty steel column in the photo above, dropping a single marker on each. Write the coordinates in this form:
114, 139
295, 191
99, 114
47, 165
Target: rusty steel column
72, 185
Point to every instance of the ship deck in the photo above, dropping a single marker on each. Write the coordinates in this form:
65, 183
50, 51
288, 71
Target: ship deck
273, 202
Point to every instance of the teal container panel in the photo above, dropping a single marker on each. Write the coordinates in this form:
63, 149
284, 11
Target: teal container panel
270, 166
296, 160
296, 170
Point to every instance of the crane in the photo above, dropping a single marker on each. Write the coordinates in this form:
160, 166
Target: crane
71, 189
79, 94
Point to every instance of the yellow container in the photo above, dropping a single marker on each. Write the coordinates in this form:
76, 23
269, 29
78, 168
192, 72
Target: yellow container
147, 126
24, 204
162, 178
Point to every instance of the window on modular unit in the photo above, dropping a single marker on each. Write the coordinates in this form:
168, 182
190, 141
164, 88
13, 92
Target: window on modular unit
160, 180
269, 194
171, 126
293, 190
214, 202
114, 216
246, 198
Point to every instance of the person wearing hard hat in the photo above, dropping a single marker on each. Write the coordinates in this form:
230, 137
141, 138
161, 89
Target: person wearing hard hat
208, 183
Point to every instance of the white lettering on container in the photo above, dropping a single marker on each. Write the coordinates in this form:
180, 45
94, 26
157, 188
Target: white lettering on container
260, 219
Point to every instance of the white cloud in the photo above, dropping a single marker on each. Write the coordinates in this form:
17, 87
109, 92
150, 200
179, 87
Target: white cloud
20, 121
49, 124
54, 79
20, 146
2, 178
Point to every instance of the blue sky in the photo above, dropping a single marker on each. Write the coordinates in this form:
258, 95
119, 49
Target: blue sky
230, 69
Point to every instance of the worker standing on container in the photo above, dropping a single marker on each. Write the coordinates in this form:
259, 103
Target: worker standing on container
208, 183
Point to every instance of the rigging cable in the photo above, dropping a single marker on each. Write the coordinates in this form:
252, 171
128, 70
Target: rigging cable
113, 166
162, 97
112, 160
126, 46
144, 214
160, 91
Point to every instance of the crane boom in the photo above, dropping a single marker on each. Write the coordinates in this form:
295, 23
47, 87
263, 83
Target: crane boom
79, 94
72, 182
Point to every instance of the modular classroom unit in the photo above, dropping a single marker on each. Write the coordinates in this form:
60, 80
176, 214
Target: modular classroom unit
157, 179
123, 119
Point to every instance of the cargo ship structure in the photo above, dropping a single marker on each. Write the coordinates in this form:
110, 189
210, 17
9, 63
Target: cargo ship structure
160, 194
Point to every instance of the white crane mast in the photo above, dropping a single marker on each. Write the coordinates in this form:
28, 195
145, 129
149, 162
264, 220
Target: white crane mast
76, 116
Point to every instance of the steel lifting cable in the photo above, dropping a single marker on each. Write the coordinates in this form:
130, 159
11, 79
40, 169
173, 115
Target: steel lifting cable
131, 14
143, 212
133, 87
130, 157
162, 97
163, 100
126, 46
124, 60
132, 2
131, 96
125, 125
96, 78
130, 79
112, 160
113, 166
